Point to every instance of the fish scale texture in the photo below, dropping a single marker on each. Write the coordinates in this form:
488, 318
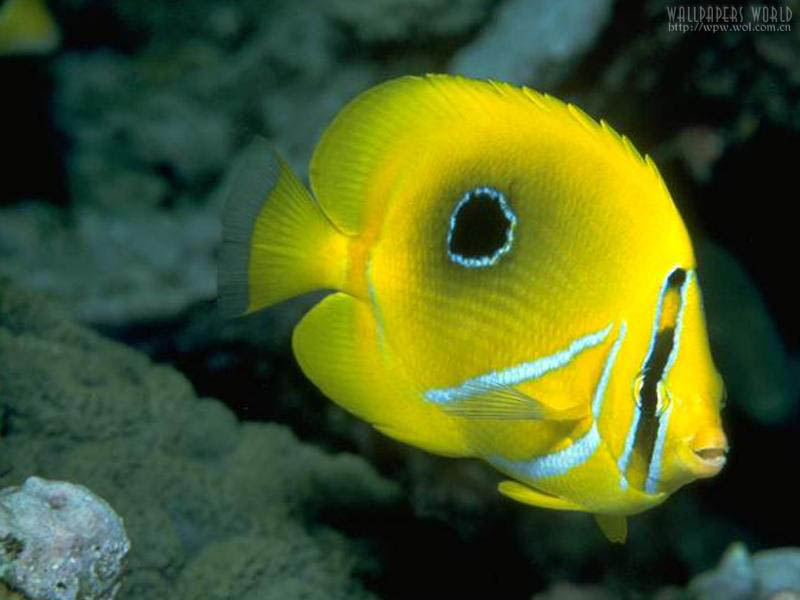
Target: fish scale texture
214, 508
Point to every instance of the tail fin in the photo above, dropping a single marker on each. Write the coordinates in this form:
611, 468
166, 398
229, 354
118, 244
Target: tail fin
276, 241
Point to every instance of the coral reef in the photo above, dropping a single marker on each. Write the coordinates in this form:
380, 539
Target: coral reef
191, 483
385, 21
766, 575
151, 264
58, 541
533, 42
151, 141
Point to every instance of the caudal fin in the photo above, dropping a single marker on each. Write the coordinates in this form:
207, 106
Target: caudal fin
276, 241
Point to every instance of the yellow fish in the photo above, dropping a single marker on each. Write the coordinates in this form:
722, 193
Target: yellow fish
27, 27
512, 282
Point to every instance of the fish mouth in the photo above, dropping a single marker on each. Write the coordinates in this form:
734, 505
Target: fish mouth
709, 460
713, 457
709, 450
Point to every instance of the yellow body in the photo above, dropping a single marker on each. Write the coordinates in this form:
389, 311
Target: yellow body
530, 357
27, 27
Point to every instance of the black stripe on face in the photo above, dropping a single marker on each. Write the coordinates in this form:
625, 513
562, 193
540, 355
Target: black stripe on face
650, 395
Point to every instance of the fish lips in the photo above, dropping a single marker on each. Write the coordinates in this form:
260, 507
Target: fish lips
706, 453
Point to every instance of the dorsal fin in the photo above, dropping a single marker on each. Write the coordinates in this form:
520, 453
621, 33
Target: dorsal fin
385, 133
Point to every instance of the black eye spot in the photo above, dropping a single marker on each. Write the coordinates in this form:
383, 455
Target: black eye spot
481, 228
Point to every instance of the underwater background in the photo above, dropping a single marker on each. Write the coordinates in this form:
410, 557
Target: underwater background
234, 477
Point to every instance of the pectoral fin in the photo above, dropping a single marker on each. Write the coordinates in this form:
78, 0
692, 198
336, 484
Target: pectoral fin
507, 403
614, 527
337, 346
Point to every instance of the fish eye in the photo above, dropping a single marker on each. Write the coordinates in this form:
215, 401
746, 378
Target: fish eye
638, 384
481, 228
663, 398
662, 395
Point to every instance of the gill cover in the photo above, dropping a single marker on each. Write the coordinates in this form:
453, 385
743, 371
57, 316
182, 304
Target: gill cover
694, 444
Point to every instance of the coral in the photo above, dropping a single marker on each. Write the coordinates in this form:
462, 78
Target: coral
533, 42
401, 20
107, 269
741, 576
59, 541
151, 138
286, 564
568, 591
190, 481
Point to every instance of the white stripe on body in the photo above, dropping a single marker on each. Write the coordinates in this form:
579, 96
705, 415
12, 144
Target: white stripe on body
656, 460
517, 374
562, 462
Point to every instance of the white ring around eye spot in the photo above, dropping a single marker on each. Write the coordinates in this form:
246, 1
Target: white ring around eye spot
663, 398
638, 384
511, 219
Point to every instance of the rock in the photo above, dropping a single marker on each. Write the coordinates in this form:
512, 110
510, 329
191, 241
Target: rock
382, 21
59, 541
569, 591
733, 579
136, 144
109, 268
286, 564
766, 575
778, 573
151, 140
533, 42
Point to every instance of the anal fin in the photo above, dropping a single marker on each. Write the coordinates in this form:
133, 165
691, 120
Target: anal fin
338, 347
614, 527
527, 495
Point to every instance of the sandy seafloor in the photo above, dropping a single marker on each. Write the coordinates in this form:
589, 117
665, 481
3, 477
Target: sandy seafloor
235, 477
